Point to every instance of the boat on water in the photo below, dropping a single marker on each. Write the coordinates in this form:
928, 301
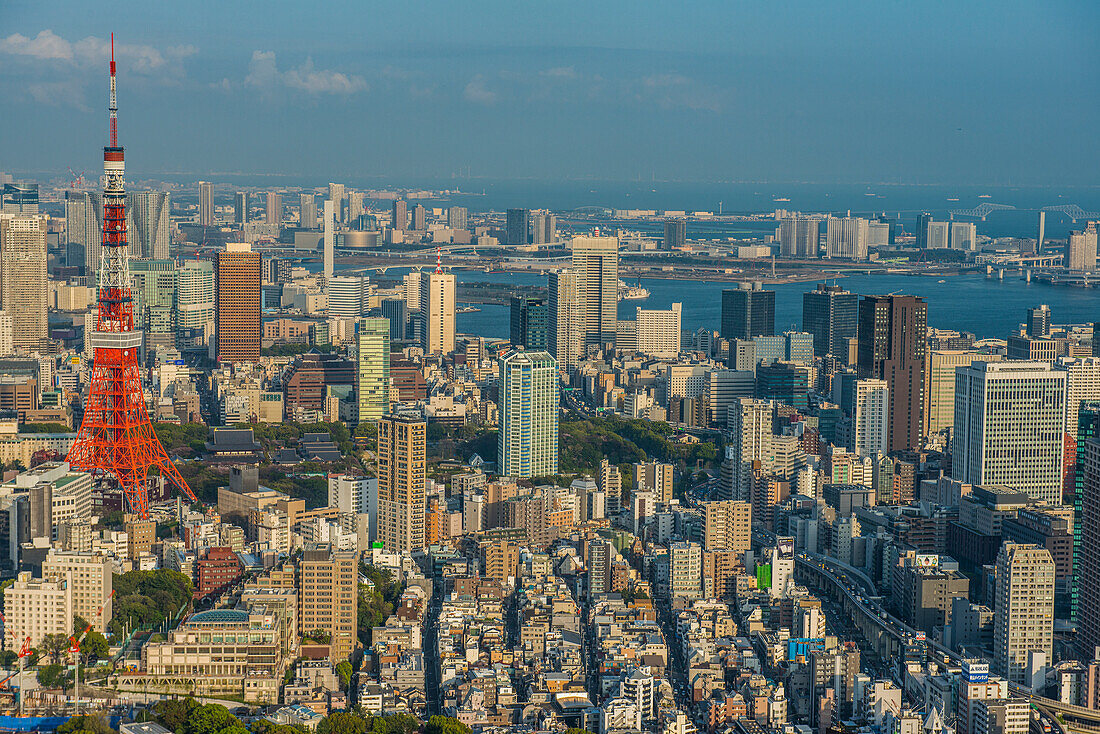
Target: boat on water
941, 281
782, 199
632, 292
467, 309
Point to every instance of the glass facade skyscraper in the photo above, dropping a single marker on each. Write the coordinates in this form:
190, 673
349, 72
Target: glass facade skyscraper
373, 377
528, 439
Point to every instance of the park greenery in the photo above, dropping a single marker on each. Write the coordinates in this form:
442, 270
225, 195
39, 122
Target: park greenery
147, 598
44, 428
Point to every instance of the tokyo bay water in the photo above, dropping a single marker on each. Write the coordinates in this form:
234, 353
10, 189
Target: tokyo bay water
986, 307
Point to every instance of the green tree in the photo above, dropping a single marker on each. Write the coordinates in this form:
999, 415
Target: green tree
211, 718
85, 725
445, 725
343, 669
320, 637
54, 646
94, 648
8, 658
342, 722
51, 676
173, 713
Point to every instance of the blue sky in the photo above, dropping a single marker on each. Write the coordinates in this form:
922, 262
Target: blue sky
956, 92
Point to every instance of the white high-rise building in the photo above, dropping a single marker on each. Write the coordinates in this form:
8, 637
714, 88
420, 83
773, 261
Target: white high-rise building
411, 283
527, 445
964, 236
437, 312
846, 237
195, 303
1082, 383
566, 336
658, 332
596, 264
1009, 423
870, 417
798, 236
24, 291
206, 204
336, 196
307, 211
348, 296
939, 234
150, 228
351, 493
750, 423
1023, 615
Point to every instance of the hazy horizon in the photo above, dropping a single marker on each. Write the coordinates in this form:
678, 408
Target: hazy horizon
975, 93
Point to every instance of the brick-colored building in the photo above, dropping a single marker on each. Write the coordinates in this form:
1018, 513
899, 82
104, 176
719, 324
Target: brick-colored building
217, 569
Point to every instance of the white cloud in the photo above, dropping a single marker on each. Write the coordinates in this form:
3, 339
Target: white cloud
93, 51
476, 91
264, 75
46, 45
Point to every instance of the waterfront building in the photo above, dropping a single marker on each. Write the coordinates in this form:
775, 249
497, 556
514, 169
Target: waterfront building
596, 264
456, 217
799, 236
437, 312
657, 332
830, 313
747, 311
846, 237
400, 217
964, 236
527, 444
1081, 250
373, 369
239, 329
516, 226
891, 346
675, 234
1009, 424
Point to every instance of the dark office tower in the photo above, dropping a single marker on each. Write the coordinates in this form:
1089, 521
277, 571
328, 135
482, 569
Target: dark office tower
1038, 322
1088, 429
420, 218
829, 313
239, 332
1096, 339
397, 311
747, 311
923, 220
530, 323
890, 333
515, 228
784, 382
675, 234
400, 214
240, 207
206, 203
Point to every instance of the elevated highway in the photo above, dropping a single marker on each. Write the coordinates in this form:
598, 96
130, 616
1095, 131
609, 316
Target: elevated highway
889, 636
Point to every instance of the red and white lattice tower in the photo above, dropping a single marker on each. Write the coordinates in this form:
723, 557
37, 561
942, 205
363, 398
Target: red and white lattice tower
116, 442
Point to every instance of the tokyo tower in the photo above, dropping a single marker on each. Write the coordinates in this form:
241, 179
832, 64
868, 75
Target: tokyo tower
116, 442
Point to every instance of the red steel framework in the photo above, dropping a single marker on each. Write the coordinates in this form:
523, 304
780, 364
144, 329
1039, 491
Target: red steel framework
116, 442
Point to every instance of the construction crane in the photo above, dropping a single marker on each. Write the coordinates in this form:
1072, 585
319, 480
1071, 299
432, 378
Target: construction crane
24, 652
78, 178
74, 650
